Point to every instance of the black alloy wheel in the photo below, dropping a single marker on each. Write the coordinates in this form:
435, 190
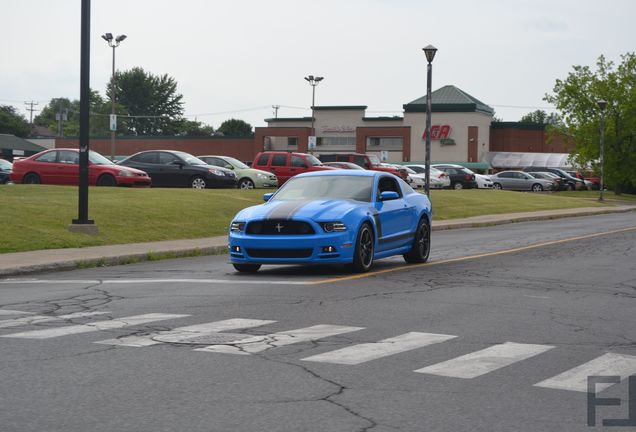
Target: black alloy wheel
247, 268
421, 244
363, 254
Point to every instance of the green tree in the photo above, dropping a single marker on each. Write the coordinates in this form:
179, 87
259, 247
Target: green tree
12, 122
541, 117
234, 127
194, 128
151, 101
99, 112
576, 97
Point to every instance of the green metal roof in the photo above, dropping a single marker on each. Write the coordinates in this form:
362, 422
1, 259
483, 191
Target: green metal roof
449, 99
12, 142
470, 165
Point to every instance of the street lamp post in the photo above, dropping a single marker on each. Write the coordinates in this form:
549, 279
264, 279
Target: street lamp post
113, 43
602, 104
429, 51
313, 82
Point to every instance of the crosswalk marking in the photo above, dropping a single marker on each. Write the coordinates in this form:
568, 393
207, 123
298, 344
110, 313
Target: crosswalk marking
181, 333
94, 326
255, 344
37, 319
361, 353
484, 361
13, 312
575, 379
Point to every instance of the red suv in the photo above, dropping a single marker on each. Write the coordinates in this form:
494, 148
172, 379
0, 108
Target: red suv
286, 165
370, 162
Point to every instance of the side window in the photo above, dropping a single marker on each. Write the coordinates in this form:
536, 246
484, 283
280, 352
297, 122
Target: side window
214, 161
279, 160
389, 184
451, 171
148, 158
506, 175
167, 158
361, 161
68, 157
262, 160
297, 161
48, 157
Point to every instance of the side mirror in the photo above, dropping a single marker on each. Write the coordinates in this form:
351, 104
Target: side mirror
228, 166
388, 195
178, 163
267, 196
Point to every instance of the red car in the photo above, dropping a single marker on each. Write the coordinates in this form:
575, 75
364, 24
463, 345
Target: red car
286, 165
61, 167
370, 162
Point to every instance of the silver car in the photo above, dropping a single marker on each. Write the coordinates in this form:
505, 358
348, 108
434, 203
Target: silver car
519, 180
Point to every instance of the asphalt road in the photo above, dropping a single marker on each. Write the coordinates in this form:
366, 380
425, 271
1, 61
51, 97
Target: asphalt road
498, 332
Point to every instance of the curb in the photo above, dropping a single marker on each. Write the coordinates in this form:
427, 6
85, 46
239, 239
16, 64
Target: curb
180, 252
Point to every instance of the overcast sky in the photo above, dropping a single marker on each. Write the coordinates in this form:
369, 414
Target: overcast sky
235, 59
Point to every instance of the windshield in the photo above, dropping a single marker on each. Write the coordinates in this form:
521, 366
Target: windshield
97, 159
313, 160
326, 187
189, 159
374, 160
237, 163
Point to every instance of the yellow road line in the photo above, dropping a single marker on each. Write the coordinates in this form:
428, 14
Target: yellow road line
470, 257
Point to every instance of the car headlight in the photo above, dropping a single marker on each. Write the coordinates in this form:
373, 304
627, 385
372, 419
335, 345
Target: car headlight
215, 172
237, 226
333, 226
125, 173
259, 175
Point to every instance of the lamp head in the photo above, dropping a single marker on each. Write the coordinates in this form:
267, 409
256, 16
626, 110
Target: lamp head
430, 51
107, 37
602, 104
318, 79
120, 38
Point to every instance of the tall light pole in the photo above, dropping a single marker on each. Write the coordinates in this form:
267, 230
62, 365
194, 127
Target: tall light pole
429, 51
602, 104
113, 43
313, 82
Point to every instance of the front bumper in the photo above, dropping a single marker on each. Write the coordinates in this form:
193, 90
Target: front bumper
290, 249
216, 181
136, 181
260, 182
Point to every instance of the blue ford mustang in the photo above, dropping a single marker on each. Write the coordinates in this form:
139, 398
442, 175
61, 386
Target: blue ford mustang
333, 217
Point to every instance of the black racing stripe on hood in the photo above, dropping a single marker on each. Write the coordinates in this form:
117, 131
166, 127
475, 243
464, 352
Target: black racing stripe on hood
285, 210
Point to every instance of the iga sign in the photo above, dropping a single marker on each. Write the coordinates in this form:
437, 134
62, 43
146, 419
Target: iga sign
439, 132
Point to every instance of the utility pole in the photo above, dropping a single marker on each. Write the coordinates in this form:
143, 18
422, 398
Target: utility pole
275, 110
30, 104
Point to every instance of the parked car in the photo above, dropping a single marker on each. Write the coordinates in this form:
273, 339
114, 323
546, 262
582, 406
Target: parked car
5, 171
248, 178
343, 165
521, 181
589, 184
61, 167
415, 180
169, 168
483, 181
438, 178
559, 183
571, 183
460, 177
336, 217
369, 162
285, 165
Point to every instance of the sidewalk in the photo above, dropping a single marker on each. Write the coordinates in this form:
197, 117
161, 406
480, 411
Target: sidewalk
21, 263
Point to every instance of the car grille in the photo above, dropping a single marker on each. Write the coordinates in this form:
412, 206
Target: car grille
279, 253
279, 227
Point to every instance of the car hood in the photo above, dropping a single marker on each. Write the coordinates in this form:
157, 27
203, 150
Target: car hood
319, 210
255, 171
123, 168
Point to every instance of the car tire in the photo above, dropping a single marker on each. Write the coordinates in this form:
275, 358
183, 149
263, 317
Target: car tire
106, 180
421, 243
31, 178
198, 182
247, 268
245, 183
363, 253
458, 186
537, 187
497, 186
